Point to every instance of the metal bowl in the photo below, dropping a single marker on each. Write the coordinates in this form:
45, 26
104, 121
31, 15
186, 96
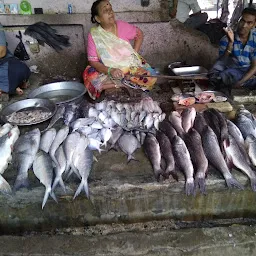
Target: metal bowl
190, 71
29, 105
60, 92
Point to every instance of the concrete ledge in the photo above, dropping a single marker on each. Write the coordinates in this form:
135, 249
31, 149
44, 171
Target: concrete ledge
235, 240
122, 193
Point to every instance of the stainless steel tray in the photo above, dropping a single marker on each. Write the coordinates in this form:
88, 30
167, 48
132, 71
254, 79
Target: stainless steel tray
59, 92
28, 104
190, 71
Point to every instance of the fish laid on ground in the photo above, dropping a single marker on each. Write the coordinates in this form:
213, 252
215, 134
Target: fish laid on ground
238, 158
105, 135
153, 152
213, 153
166, 151
199, 123
183, 161
176, 121
60, 169
25, 150
60, 137
70, 113
245, 125
4, 186
58, 115
188, 117
43, 169
116, 134
69, 146
6, 145
83, 164
167, 128
235, 132
194, 144
46, 139
250, 144
128, 143
5, 129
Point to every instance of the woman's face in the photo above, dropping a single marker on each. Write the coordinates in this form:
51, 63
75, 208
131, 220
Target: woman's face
106, 14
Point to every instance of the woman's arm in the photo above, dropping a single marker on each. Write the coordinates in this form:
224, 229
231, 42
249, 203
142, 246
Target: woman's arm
138, 40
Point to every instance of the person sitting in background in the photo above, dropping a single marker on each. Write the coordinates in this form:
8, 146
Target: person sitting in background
236, 65
14, 73
110, 54
181, 9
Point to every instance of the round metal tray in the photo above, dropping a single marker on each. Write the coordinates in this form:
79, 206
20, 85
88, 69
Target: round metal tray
60, 92
28, 104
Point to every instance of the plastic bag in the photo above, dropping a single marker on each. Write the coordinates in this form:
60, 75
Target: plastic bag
20, 51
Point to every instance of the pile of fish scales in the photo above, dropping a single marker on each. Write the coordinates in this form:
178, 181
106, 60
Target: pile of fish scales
191, 141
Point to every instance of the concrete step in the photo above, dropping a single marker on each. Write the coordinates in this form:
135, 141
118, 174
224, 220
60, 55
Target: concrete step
148, 239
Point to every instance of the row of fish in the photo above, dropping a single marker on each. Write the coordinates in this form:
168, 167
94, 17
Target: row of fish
191, 141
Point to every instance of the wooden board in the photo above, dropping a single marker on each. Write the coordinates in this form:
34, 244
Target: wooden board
221, 106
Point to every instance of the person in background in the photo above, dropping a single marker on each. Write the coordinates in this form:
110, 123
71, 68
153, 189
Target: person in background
14, 73
181, 9
111, 57
236, 65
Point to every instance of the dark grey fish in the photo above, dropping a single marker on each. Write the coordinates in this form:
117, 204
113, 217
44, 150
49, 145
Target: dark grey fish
152, 150
166, 151
183, 161
58, 115
238, 157
167, 128
194, 144
213, 121
213, 153
199, 122
24, 154
116, 134
245, 125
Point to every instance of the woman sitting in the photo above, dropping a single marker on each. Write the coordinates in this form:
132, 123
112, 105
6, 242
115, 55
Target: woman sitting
110, 54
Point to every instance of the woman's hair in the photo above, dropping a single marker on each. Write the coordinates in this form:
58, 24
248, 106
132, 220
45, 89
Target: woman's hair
94, 10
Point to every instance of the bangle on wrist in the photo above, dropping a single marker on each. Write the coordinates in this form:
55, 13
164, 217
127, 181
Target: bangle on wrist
109, 74
229, 51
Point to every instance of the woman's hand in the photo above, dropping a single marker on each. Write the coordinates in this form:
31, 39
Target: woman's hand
116, 73
230, 34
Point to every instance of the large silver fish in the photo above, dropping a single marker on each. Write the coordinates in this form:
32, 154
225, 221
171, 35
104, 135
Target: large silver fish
237, 157
245, 125
183, 161
60, 169
176, 121
25, 150
116, 133
166, 151
194, 144
153, 152
235, 132
5, 129
4, 186
128, 143
83, 164
60, 137
213, 153
70, 113
43, 169
6, 145
46, 139
250, 144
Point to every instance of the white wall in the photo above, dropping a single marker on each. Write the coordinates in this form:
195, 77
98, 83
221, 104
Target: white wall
84, 6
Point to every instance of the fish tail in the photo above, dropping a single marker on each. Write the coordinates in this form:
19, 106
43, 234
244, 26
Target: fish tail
131, 157
61, 182
232, 182
4, 186
112, 147
169, 172
53, 196
158, 174
21, 182
83, 185
190, 187
253, 184
58, 180
46, 195
200, 181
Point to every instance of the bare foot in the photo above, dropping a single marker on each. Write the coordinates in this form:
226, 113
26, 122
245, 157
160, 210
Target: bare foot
19, 91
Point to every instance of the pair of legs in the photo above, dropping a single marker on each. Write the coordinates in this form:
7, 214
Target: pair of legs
18, 74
